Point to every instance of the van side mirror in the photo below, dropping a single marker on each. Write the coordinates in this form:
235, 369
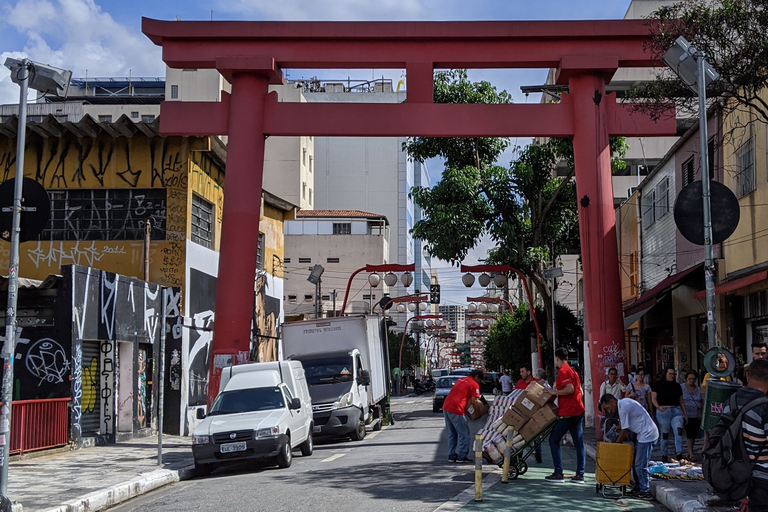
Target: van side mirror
200, 414
295, 404
364, 378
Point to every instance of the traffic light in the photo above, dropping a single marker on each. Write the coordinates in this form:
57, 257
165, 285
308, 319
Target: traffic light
434, 294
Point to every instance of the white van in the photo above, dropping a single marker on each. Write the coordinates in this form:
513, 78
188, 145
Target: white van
263, 411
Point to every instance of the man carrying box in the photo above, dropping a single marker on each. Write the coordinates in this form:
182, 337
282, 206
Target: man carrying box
571, 415
635, 422
454, 408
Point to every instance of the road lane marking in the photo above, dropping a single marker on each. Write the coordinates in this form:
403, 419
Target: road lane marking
333, 457
411, 402
372, 435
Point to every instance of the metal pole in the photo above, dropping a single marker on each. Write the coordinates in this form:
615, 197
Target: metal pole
161, 378
709, 263
147, 233
554, 325
13, 281
317, 299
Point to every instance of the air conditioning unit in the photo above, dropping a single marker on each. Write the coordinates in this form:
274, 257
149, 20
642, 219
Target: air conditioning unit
382, 87
334, 87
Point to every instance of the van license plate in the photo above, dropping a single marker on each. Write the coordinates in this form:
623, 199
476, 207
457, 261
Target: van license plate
233, 447
316, 430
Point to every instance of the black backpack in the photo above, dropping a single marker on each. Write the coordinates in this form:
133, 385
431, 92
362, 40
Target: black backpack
726, 465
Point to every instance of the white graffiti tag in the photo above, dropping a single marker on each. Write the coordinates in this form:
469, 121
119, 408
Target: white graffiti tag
47, 361
57, 255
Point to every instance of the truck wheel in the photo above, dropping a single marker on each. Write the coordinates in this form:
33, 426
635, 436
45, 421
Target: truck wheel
307, 446
378, 416
285, 457
204, 469
359, 432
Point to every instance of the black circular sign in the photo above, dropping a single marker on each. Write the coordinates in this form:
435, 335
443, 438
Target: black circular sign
33, 223
689, 212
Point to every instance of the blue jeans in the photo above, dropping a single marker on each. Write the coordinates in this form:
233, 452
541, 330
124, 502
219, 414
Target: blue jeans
671, 420
572, 424
642, 456
457, 429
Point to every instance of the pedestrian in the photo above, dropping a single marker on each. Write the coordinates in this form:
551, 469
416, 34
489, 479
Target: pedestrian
694, 404
637, 425
759, 351
541, 375
506, 383
570, 418
631, 375
754, 432
615, 387
454, 407
667, 398
638, 390
526, 377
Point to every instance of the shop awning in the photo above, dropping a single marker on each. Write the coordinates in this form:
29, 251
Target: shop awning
735, 284
647, 300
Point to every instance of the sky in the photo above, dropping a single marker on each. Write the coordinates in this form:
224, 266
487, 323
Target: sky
102, 38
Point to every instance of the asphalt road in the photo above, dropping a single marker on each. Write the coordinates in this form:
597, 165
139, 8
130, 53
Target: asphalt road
402, 467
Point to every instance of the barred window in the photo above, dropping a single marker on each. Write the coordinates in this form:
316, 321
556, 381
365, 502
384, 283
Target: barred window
745, 167
106, 214
202, 222
260, 253
342, 228
332, 260
305, 260
688, 172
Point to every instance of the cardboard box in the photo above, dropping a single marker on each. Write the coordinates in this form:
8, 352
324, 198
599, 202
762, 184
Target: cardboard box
514, 419
544, 416
538, 394
476, 409
525, 406
530, 430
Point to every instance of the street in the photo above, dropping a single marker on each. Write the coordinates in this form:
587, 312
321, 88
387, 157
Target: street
402, 467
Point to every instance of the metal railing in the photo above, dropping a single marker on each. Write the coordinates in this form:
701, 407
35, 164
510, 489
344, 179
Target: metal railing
39, 424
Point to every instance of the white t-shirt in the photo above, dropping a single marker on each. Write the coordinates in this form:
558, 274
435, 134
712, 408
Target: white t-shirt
635, 417
616, 390
506, 383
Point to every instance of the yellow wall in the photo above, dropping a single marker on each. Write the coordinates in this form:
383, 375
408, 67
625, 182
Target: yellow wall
271, 224
626, 227
748, 246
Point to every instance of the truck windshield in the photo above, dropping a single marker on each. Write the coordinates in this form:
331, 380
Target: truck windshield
328, 370
248, 400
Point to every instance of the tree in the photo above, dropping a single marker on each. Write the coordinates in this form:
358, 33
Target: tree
410, 350
732, 35
528, 213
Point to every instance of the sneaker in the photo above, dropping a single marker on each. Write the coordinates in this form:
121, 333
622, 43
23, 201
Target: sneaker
555, 478
646, 496
465, 460
538, 458
453, 458
577, 479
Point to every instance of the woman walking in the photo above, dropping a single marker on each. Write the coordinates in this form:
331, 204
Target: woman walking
694, 403
667, 398
639, 390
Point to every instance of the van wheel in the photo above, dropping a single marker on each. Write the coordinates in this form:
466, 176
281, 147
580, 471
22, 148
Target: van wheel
307, 446
378, 416
285, 457
359, 433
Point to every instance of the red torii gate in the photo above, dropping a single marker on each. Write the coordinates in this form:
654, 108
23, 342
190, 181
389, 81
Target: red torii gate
251, 55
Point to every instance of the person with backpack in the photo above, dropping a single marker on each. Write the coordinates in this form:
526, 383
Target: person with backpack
736, 456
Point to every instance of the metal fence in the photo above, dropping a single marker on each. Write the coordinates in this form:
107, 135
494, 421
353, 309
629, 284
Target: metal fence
39, 424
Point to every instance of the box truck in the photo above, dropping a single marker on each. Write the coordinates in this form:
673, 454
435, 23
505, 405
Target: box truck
346, 362
263, 411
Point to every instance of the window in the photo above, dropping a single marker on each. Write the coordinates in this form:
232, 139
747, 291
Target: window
260, 253
310, 196
311, 163
304, 156
174, 92
202, 222
291, 297
148, 119
688, 172
648, 204
305, 260
105, 214
342, 228
745, 167
326, 297
134, 115
105, 119
661, 204
332, 260
286, 260
308, 297
369, 297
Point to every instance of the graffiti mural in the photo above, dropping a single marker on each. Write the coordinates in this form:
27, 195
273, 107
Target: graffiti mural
141, 391
77, 390
201, 303
107, 389
173, 359
266, 318
47, 361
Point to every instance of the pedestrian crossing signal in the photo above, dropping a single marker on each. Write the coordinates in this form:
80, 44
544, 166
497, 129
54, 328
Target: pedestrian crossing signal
434, 294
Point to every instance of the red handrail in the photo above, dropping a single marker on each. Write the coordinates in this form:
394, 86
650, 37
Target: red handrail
39, 424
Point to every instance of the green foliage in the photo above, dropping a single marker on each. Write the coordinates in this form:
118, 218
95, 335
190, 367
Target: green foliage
465, 354
410, 350
732, 36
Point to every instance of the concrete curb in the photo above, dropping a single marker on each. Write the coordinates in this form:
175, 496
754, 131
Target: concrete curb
675, 499
111, 496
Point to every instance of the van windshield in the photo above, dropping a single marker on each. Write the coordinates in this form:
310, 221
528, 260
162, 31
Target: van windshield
328, 370
248, 400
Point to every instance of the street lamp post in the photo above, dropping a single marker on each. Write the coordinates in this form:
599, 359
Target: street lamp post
690, 65
374, 281
54, 81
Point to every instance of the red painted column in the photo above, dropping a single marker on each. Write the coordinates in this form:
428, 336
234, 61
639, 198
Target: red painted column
597, 228
240, 226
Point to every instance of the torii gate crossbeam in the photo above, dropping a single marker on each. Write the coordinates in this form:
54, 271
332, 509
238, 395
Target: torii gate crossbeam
250, 55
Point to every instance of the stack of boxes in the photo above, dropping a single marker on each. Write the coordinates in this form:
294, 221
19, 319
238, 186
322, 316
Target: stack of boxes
532, 411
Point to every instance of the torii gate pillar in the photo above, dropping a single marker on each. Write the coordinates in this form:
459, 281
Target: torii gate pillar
597, 227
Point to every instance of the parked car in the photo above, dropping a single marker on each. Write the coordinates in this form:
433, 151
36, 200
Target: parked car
264, 411
490, 383
443, 386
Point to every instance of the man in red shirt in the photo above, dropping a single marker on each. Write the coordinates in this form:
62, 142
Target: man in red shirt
526, 377
570, 418
453, 410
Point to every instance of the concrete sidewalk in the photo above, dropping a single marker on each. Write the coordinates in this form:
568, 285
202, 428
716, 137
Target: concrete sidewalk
96, 478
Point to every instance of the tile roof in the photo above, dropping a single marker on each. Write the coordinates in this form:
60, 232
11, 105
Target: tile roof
339, 214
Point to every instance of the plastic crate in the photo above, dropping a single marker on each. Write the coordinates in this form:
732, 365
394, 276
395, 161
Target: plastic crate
613, 464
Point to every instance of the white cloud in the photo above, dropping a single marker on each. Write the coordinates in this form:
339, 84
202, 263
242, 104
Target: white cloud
327, 10
77, 35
